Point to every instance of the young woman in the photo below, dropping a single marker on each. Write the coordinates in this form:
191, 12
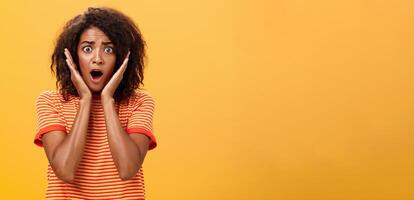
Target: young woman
97, 127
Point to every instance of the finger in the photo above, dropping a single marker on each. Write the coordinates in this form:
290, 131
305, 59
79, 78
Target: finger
68, 55
125, 63
69, 64
123, 66
69, 61
72, 68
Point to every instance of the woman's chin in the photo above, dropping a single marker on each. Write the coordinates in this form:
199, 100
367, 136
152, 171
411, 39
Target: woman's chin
95, 90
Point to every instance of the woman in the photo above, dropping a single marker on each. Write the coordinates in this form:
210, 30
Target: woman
97, 127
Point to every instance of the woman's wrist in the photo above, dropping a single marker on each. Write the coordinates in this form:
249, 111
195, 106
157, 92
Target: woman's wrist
86, 99
107, 99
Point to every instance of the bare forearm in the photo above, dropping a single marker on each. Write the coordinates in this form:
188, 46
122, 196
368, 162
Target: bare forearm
124, 151
69, 153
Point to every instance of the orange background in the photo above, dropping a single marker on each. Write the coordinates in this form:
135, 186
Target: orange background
285, 100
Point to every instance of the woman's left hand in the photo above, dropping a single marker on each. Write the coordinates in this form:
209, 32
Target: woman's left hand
109, 89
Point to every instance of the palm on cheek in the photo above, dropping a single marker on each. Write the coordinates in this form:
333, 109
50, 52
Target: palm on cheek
109, 89
76, 78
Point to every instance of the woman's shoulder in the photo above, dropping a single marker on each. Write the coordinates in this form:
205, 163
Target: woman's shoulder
143, 94
52, 96
48, 95
139, 96
140, 93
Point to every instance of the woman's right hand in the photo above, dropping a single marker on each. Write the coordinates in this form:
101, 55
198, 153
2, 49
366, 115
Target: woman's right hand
77, 80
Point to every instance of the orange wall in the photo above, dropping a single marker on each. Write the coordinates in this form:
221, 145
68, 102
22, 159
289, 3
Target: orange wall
285, 100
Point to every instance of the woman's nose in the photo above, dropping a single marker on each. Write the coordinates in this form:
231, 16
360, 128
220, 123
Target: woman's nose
98, 58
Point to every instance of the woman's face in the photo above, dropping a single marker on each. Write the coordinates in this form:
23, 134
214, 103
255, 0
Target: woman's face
96, 58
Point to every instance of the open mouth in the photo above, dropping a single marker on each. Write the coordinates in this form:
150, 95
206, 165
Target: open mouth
96, 74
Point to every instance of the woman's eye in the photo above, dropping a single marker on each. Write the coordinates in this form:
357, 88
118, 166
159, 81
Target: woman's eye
87, 49
108, 50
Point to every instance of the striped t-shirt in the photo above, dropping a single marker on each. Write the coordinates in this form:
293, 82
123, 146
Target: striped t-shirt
96, 176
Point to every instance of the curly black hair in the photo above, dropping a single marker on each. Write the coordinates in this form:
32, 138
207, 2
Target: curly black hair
123, 33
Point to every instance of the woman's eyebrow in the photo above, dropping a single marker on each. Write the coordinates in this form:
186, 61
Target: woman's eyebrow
88, 42
93, 42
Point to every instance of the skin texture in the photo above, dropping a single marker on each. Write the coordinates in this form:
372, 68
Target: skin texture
65, 151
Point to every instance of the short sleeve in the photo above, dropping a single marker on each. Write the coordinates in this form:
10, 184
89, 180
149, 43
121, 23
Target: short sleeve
140, 120
48, 119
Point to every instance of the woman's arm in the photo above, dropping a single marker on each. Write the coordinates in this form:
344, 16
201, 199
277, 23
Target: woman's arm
65, 152
128, 150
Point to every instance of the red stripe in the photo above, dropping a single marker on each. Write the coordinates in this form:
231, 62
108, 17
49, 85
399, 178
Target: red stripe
153, 142
38, 138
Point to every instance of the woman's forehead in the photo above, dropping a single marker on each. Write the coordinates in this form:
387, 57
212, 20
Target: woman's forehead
93, 34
